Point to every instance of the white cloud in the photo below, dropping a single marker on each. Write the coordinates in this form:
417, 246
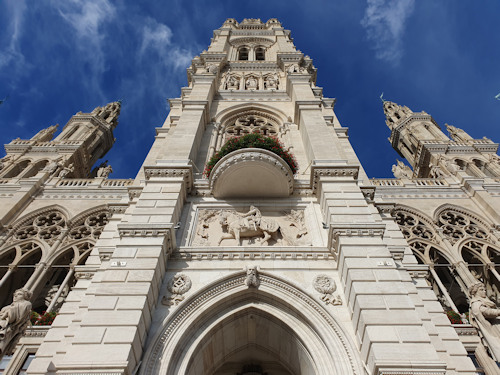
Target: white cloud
157, 39
385, 22
12, 53
88, 18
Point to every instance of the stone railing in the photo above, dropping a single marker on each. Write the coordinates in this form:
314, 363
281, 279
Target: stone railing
416, 181
77, 183
386, 182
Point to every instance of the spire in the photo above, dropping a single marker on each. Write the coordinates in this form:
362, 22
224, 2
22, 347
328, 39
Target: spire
394, 113
109, 113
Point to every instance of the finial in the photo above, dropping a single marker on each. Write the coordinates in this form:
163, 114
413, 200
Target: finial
382, 98
497, 96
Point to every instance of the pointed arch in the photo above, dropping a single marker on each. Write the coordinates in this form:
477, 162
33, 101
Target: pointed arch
82, 216
318, 338
41, 211
226, 114
452, 207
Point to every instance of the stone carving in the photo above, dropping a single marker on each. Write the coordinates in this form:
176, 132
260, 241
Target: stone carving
46, 227
458, 134
401, 170
14, 319
252, 279
4, 161
249, 124
177, 286
327, 286
271, 82
212, 68
46, 134
250, 224
232, 82
484, 315
295, 68
66, 170
297, 220
109, 112
251, 83
104, 170
53, 166
452, 167
251, 228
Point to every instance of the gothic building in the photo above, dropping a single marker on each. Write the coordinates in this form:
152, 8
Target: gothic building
251, 240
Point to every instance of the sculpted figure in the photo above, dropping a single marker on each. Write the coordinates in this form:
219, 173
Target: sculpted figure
252, 277
458, 134
233, 83
252, 218
484, 315
104, 171
53, 166
251, 83
13, 320
66, 170
272, 82
400, 170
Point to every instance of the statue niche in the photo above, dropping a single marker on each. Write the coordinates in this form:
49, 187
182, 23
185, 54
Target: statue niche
251, 228
13, 320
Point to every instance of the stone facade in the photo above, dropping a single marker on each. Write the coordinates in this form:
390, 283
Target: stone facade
250, 268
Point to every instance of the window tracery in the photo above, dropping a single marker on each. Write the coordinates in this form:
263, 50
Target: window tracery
456, 226
47, 227
413, 227
249, 124
91, 227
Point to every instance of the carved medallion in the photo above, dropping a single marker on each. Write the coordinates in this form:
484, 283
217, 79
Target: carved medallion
177, 286
327, 286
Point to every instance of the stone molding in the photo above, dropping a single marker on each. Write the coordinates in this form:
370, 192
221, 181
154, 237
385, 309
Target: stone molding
352, 230
184, 172
236, 282
368, 193
319, 170
144, 230
248, 255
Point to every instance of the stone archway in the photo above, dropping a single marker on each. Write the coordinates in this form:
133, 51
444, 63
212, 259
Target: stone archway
227, 327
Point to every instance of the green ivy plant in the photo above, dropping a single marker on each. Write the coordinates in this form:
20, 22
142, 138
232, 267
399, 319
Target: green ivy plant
254, 140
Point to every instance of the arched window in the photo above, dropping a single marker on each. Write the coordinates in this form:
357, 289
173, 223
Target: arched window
35, 169
243, 53
251, 124
17, 169
260, 54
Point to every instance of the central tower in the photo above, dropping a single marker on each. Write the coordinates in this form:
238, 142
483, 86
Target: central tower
251, 243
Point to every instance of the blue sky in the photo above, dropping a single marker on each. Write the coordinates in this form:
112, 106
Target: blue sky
58, 57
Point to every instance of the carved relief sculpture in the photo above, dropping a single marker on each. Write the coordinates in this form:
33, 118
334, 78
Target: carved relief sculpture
14, 319
104, 171
53, 166
484, 315
250, 228
252, 279
177, 286
271, 82
251, 83
327, 286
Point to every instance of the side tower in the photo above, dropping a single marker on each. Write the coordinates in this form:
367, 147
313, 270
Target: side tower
251, 243
447, 207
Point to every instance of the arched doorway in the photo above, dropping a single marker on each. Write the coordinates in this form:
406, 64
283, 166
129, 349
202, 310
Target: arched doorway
229, 328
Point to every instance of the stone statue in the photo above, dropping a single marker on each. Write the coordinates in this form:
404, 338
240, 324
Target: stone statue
233, 83
400, 170
451, 166
271, 81
53, 166
104, 171
484, 315
3, 161
66, 170
14, 319
46, 134
458, 134
252, 279
251, 83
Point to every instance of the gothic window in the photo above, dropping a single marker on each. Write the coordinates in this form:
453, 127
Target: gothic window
483, 262
243, 53
46, 227
91, 227
260, 54
456, 226
413, 227
251, 124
